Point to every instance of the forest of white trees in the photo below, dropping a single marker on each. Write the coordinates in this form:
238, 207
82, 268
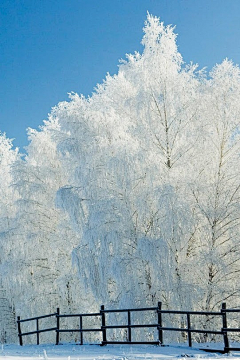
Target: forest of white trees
127, 197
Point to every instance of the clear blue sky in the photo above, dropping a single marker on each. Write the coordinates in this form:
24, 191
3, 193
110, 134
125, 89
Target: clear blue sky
51, 47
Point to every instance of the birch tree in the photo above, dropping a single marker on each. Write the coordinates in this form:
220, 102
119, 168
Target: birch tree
216, 188
8, 196
41, 256
141, 128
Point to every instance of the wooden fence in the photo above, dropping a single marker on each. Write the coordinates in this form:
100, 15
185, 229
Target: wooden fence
158, 325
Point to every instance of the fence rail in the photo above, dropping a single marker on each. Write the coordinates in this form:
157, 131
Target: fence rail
129, 326
37, 331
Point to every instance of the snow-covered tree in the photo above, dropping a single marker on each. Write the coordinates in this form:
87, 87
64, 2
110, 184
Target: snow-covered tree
40, 260
125, 148
8, 197
216, 186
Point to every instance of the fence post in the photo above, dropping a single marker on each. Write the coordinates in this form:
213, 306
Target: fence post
224, 322
37, 323
57, 330
189, 332
129, 328
104, 333
160, 332
19, 331
81, 334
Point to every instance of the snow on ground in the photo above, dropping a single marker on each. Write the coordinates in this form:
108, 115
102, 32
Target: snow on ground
110, 352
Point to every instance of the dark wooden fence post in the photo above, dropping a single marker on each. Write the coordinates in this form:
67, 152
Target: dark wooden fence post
160, 332
81, 334
37, 325
224, 322
189, 332
19, 331
129, 328
104, 333
57, 330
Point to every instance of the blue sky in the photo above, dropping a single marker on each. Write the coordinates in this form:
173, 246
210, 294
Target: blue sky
49, 48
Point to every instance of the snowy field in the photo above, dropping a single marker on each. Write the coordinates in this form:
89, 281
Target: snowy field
117, 352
